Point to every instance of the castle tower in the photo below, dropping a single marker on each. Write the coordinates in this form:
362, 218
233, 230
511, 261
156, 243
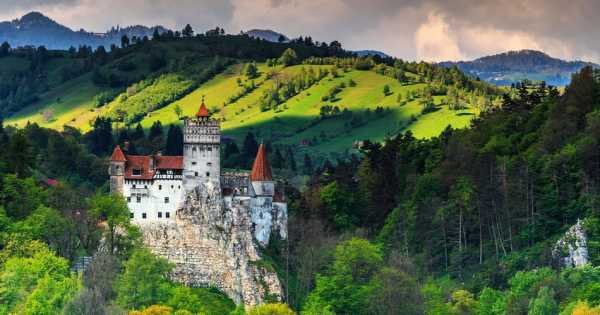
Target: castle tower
261, 176
116, 170
201, 149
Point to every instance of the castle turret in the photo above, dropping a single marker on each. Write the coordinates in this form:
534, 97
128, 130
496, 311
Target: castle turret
201, 149
261, 176
117, 170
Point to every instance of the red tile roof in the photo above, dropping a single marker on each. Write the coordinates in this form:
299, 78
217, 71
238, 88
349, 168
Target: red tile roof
261, 170
169, 162
118, 155
148, 165
202, 111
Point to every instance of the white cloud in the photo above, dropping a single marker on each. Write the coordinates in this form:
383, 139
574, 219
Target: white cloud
435, 41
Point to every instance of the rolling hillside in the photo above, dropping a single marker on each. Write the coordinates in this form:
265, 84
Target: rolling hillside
309, 120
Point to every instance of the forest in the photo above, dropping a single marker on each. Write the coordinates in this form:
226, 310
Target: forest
462, 223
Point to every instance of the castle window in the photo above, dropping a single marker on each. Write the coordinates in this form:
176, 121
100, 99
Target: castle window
138, 199
159, 214
209, 164
209, 148
144, 215
136, 172
167, 215
128, 199
146, 186
131, 215
172, 186
193, 163
133, 186
196, 174
207, 174
159, 187
166, 199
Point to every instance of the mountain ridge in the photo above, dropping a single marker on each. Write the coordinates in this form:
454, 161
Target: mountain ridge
516, 65
36, 29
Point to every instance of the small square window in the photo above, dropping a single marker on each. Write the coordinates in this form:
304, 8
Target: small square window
146, 186
159, 214
159, 187
144, 215
133, 186
131, 215
138, 199
166, 199
193, 163
209, 148
167, 215
136, 172
207, 174
196, 174
128, 199
172, 186
209, 164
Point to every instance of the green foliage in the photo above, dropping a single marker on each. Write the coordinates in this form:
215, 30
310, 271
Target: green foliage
350, 284
144, 281
288, 58
271, 309
544, 303
339, 204
113, 210
37, 282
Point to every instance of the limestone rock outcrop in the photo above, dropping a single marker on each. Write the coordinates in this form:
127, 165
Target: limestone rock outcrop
571, 249
212, 243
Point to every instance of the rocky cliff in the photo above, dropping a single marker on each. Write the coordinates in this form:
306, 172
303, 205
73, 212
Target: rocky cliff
211, 242
571, 249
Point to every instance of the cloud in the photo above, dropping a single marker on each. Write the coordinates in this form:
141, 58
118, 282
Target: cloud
411, 29
434, 40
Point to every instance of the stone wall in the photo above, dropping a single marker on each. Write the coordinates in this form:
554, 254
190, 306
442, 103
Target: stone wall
213, 245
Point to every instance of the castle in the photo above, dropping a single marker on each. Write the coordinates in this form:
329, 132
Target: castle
211, 225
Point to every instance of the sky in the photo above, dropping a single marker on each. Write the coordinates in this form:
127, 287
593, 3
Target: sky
431, 30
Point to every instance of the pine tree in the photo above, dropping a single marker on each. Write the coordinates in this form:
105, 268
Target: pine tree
290, 159
308, 167
155, 131
277, 159
19, 151
174, 144
249, 148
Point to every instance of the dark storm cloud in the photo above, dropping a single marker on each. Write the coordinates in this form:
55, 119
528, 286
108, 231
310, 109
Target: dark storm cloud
432, 29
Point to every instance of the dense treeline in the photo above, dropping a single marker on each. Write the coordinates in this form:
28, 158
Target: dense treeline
477, 205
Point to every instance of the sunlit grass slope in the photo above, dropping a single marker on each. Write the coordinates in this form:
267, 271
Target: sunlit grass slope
295, 122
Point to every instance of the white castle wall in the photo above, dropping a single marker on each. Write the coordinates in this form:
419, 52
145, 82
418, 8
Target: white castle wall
151, 202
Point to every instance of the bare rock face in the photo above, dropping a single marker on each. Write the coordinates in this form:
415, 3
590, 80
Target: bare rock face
571, 250
212, 245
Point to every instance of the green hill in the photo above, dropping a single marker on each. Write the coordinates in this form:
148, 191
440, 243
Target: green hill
342, 105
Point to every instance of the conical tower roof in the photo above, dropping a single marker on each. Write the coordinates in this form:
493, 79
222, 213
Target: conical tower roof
118, 155
261, 170
202, 111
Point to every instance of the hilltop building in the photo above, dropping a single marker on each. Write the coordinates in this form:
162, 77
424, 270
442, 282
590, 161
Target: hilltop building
155, 186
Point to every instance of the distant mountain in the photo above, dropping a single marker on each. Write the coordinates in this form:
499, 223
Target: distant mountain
363, 53
36, 29
513, 66
268, 35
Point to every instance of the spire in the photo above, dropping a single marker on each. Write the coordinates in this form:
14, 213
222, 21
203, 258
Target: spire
261, 170
202, 111
117, 155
